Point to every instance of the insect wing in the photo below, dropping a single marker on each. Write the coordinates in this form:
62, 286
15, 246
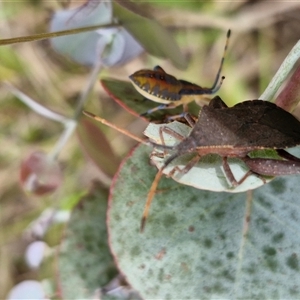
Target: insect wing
253, 124
265, 124
284, 126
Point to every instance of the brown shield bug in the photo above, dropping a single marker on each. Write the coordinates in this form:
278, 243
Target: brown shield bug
234, 132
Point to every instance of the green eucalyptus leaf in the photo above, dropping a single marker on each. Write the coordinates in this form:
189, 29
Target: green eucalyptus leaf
85, 263
205, 245
96, 145
150, 34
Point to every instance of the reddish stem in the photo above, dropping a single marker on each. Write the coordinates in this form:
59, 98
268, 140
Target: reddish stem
290, 95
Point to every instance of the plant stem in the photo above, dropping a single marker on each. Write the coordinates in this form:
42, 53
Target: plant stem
71, 125
281, 74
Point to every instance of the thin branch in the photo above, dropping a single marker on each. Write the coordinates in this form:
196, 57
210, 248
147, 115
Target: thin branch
35, 106
43, 36
282, 73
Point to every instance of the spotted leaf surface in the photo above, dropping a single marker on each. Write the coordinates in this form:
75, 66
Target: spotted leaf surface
196, 242
84, 261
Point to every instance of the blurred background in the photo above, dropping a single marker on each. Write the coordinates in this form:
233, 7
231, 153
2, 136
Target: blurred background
263, 33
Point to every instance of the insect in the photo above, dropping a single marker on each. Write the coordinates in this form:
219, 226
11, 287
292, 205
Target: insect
234, 132
161, 87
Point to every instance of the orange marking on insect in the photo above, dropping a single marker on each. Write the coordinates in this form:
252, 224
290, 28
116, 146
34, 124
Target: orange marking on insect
161, 87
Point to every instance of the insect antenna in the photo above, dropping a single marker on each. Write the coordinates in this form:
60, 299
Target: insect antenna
105, 122
215, 87
134, 137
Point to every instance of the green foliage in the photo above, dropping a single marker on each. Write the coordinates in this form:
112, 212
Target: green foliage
197, 243
10, 63
96, 145
187, 5
151, 35
85, 263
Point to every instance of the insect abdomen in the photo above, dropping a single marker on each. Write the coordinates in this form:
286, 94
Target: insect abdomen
163, 87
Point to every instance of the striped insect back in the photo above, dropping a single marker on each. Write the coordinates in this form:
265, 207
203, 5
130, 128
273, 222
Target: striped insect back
161, 87
157, 85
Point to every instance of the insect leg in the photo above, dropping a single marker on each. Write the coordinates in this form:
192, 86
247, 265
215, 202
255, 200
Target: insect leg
188, 117
231, 177
186, 168
273, 167
202, 100
170, 132
154, 185
287, 156
150, 198
228, 172
162, 106
156, 180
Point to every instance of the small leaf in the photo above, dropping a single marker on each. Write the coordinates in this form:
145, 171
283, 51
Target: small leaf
39, 174
83, 47
85, 263
205, 243
95, 143
151, 35
120, 46
126, 95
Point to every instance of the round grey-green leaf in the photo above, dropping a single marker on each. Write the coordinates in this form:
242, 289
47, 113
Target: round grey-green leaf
205, 245
84, 261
